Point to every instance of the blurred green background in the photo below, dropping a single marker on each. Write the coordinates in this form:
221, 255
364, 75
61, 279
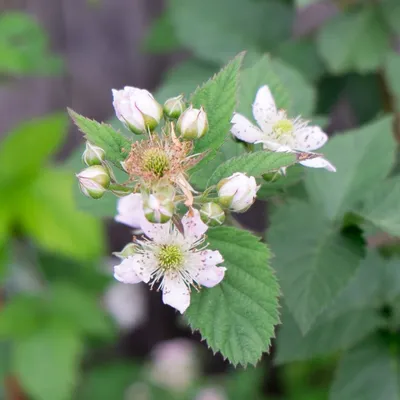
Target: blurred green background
67, 330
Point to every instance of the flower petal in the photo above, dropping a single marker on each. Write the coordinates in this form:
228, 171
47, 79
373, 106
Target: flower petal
276, 147
144, 265
244, 130
310, 138
125, 272
193, 226
175, 292
209, 274
319, 162
264, 109
156, 232
130, 210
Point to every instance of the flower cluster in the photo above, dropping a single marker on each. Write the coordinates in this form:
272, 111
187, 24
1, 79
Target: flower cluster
172, 254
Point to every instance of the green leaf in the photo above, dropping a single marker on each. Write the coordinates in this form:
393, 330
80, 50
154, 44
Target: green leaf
161, 37
363, 157
252, 78
115, 145
48, 214
237, 317
109, 381
253, 164
26, 148
218, 96
79, 309
327, 336
368, 372
24, 46
319, 264
46, 364
354, 41
215, 30
391, 13
382, 206
305, 3
392, 67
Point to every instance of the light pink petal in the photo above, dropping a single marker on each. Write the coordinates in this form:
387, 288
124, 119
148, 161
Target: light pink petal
276, 147
310, 138
130, 210
125, 272
176, 293
244, 130
208, 274
144, 265
156, 232
264, 109
319, 162
193, 226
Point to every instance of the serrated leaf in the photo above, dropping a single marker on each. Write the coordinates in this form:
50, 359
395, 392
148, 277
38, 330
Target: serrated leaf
382, 206
319, 264
218, 96
368, 372
27, 147
327, 336
237, 317
363, 157
392, 67
46, 364
252, 78
391, 13
354, 41
253, 164
115, 145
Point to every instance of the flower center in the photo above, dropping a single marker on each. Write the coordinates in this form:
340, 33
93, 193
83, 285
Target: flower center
170, 257
156, 161
283, 127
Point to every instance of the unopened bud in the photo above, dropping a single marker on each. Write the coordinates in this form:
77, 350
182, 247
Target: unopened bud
238, 192
192, 124
93, 155
212, 214
174, 107
120, 190
272, 176
129, 250
137, 109
159, 206
94, 181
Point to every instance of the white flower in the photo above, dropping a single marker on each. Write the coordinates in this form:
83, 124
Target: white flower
126, 304
238, 192
192, 124
279, 133
173, 260
130, 210
137, 109
175, 364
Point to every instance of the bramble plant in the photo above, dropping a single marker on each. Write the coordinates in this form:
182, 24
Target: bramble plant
213, 274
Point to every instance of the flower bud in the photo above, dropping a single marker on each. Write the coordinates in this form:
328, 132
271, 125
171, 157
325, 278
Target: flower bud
158, 207
212, 214
94, 181
192, 124
174, 106
129, 250
93, 155
137, 109
238, 192
272, 176
120, 190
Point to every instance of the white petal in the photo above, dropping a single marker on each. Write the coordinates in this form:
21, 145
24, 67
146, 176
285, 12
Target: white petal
157, 232
244, 130
194, 227
130, 210
125, 272
176, 293
277, 147
209, 274
310, 138
319, 162
264, 109
144, 265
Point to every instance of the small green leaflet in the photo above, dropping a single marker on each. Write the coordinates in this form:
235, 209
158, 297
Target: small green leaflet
115, 145
218, 97
253, 164
238, 316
